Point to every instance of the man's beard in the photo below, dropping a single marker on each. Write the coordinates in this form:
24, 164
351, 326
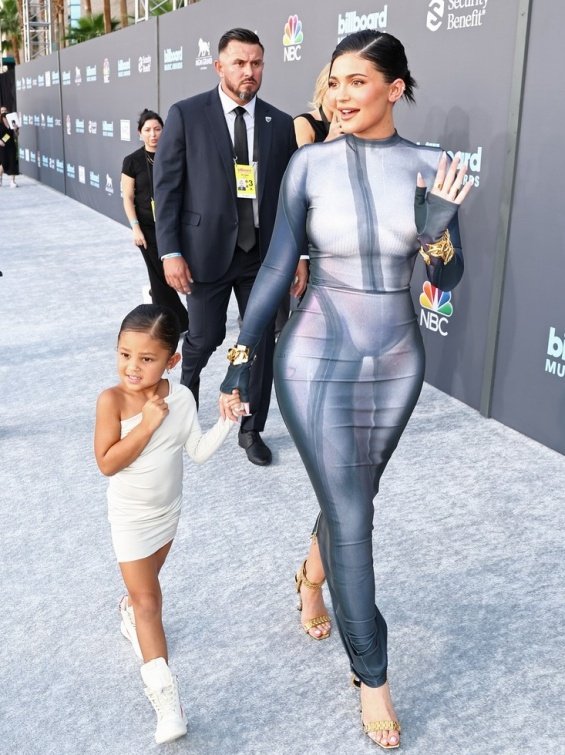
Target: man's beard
246, 95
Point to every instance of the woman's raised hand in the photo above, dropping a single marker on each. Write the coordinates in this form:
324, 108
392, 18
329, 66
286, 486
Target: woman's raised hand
449, 182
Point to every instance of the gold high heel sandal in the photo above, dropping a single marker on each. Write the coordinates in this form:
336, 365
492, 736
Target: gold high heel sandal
300, 579
376, 726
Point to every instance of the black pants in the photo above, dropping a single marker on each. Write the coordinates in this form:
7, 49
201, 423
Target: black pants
207, 310
161, 292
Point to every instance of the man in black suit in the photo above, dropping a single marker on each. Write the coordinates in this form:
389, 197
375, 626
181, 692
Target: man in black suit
217, 174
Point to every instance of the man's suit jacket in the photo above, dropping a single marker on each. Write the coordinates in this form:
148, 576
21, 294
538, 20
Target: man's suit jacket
194, 181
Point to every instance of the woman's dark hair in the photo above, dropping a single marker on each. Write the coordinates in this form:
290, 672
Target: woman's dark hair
246, 36
157, 321
384, 51
148, 115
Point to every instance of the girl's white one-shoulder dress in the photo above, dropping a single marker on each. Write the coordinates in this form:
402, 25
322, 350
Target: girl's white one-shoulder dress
144, 499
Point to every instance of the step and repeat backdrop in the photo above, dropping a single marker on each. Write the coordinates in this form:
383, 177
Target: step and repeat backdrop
104, 86
41, 149
529, 384
462, 54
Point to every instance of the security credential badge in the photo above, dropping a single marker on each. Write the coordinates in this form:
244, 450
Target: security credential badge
245, 181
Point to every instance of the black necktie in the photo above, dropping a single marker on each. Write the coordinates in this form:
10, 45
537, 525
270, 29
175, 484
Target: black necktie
246, 228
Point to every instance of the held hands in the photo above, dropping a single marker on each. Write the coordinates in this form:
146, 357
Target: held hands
154, 412
435, 209
232, 407
177, 274
235, 381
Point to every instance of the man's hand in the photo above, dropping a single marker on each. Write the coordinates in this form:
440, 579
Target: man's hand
177, 274
300, 279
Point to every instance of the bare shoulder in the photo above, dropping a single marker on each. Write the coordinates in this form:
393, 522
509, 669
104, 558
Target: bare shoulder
110, 402
304, 131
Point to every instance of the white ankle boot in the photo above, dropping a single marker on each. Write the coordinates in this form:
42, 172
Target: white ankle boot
161, 687
127, 626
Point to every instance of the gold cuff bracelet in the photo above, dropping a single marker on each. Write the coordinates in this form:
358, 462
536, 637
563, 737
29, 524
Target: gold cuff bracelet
238, 355
442, 248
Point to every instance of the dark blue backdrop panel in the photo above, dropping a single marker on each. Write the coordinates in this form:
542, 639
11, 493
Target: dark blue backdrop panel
529, 386
461, 105
105, 83
40, 139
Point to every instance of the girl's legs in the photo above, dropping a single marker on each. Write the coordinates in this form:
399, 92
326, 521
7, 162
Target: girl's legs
161, 687
141, 578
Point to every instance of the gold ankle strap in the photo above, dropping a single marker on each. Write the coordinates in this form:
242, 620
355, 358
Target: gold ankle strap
304, 579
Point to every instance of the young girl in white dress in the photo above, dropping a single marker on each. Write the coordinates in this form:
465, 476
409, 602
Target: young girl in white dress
142, 426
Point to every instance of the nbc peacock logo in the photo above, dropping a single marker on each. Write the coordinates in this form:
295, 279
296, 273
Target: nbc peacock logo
436, 308
293, 32
293, 38
436, 300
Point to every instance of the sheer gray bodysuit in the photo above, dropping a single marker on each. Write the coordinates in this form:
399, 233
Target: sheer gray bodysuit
349, 364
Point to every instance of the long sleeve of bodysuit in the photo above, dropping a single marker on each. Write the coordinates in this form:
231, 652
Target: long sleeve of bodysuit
433, 215
287, 242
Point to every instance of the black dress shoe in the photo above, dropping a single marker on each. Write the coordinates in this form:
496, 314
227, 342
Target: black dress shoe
257, 452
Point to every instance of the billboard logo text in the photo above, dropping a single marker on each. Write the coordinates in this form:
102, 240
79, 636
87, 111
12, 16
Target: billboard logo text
351, 21
555, 350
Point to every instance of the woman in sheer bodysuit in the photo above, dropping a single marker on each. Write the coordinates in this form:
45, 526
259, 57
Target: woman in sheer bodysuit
349, 365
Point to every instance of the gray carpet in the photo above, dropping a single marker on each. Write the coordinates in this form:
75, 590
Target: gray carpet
468, 549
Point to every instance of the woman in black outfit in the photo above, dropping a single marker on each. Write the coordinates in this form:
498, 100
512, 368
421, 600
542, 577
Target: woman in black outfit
8, 148
137, 190
316, 125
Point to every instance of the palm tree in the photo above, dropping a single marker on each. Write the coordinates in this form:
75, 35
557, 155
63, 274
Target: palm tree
11, 28
124, 20
88, 27
160, 8
107, 12
58, 10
